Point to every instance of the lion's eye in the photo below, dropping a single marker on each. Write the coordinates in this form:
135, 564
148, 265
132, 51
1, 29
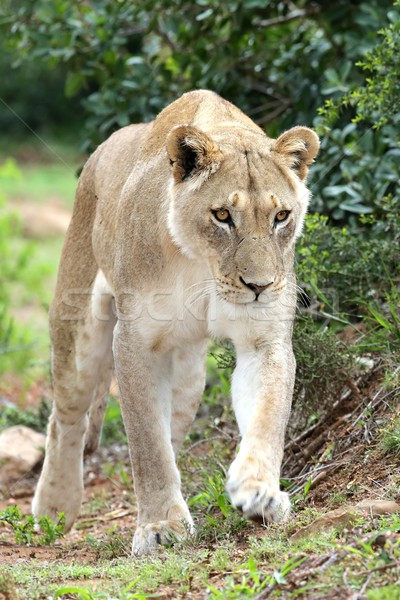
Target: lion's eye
222, 215
281, 216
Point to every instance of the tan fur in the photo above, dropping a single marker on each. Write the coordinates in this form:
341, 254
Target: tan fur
148, 270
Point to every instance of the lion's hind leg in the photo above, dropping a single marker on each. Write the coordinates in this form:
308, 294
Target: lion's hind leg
189, 373
98, 408
81, 356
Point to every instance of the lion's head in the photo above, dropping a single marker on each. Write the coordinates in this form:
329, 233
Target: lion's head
238, 201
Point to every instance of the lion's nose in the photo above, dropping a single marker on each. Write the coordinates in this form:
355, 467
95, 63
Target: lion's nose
257, 288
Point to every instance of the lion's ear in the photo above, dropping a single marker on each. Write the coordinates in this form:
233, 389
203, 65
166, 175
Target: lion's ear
192, 152
298, 146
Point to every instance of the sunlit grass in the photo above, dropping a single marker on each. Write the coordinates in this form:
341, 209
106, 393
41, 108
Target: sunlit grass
42, 183
30, 282
350, 560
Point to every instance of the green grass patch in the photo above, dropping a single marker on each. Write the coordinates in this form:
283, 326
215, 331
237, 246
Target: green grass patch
25, 529
390, 438
113, 426
345, 561
388, 592
41, 183
28, 271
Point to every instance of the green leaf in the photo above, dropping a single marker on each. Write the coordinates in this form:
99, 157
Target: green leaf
379, 318
73, 84
82, 593
204, 15
334, 190
360, 209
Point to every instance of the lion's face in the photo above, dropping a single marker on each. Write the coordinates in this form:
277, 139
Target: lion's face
240, 206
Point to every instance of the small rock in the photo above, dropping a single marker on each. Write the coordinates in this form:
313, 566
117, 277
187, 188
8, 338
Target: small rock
347, 513
21, 448
364, 364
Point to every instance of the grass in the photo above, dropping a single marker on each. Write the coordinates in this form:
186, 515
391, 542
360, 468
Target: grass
390, 438
30, 267
40, 183
25, 529
46, 169
30, 296
113, 427
8, 590
227, 558
364, 556
388, 592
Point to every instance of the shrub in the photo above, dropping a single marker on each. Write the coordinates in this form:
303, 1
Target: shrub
341, 268
24, 527
17, 259
35, 419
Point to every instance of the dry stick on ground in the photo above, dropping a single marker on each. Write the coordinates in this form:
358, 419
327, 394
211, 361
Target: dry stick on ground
313, 564
392, 565
296, 441
302, 458
316, 563
358, 595
320, 472
323, 420
298, 453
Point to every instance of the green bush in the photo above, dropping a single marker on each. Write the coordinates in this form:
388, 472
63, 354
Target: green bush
130, 59
11, 340
359, 129
279, 63
324, 365
35, 419
357, 169
24, 527
17, 257
341, 267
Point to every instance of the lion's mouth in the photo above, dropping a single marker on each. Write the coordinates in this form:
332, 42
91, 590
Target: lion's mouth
249, 298
243, 299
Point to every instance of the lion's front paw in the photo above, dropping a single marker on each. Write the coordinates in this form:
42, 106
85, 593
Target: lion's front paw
149, 537
256, 493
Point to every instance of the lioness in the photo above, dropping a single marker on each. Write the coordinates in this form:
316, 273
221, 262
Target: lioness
183, 229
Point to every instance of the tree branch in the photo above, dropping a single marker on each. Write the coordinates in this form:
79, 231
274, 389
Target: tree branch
301, 13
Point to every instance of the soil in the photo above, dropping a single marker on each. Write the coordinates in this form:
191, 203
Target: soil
107, 504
